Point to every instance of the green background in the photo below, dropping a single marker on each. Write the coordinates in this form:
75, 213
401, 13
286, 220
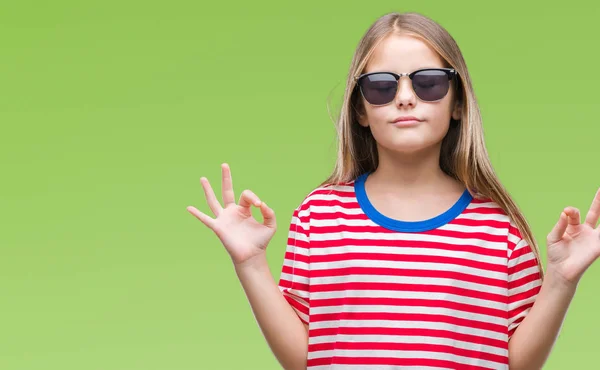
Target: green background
111, 112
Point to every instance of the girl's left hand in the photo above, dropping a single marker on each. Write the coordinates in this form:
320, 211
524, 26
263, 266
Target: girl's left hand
572, 246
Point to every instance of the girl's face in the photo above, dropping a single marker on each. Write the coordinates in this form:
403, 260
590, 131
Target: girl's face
405, 54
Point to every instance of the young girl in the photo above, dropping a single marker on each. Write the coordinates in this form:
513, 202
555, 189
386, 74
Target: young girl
411, 254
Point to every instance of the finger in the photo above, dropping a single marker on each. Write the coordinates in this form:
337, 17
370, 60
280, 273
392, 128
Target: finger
248, 198
559, 229
211, 199
574, 217
227, 186
594, 213
574, 226
202, 217
268, 215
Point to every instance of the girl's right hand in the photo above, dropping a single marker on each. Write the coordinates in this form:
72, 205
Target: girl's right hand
242, 236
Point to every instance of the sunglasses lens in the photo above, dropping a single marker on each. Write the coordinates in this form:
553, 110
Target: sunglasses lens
379, 88
431, 85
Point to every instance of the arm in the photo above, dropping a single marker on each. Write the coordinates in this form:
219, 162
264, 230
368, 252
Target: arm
246, 240
572, 247
285, 333
530, 345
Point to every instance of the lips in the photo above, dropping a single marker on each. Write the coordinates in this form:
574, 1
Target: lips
406, 118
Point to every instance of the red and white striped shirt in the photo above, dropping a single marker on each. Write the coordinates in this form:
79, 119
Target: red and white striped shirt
379, 293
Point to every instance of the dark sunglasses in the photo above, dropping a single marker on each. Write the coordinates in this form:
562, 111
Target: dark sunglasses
429, 84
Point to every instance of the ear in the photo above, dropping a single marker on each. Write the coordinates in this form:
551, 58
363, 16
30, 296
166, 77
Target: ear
362, 120
457, 111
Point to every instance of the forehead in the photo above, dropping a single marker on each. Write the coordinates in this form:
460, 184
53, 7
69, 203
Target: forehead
403, 53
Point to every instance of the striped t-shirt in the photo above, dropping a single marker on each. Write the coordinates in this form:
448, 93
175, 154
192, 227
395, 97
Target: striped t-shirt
379, 293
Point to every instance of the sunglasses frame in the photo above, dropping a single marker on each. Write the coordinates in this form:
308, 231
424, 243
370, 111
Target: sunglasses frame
450, 72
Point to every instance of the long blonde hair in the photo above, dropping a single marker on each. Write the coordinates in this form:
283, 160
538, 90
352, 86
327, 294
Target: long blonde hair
463, 153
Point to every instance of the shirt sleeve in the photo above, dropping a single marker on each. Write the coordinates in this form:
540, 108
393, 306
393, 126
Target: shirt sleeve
294, 278
524, 279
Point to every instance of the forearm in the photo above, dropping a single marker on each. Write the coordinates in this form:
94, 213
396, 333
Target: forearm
283, 330
530, 345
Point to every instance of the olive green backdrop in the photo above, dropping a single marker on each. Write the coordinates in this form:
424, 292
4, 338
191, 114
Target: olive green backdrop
111, 111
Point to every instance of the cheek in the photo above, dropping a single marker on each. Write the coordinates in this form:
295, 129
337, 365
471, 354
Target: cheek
377, 115
440, 116
440, 123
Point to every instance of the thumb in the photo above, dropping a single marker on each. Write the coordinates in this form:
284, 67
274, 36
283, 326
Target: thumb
559, 229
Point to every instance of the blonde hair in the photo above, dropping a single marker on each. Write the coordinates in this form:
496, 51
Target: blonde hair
463, 153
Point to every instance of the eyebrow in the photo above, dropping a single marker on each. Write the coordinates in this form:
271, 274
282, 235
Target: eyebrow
390, 70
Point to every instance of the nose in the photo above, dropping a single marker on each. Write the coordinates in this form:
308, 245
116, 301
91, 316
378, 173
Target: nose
405, 96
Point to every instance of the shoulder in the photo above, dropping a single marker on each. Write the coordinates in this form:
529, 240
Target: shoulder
490, 213
487, 209
506, 225
326, 195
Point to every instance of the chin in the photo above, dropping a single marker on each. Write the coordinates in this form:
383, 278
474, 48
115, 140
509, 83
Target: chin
409, 146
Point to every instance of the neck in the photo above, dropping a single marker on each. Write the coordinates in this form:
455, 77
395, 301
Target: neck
413, 173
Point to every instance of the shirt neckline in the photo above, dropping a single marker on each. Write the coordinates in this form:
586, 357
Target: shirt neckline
407, 226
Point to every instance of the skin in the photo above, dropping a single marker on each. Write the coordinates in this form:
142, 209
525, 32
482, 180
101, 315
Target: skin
408, 172
246, 240
409, 175
402, 54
